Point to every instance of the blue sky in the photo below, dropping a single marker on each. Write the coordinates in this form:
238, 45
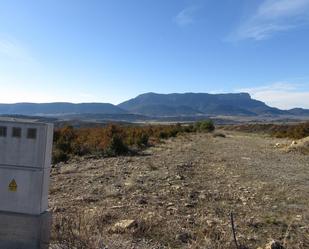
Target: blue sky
112, 50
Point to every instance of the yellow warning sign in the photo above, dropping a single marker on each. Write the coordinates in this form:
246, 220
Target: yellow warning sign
13, 186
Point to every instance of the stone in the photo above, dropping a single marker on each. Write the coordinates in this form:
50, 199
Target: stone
123, 225
190, 205
170, 204
179, 177
274, 245
142, 201
184, 237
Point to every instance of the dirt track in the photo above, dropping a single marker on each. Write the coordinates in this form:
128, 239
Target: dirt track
180, 194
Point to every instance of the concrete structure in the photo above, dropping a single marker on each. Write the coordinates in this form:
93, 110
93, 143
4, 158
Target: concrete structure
19, 231
25, 160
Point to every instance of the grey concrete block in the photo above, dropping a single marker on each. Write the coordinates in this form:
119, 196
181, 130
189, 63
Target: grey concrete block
25, 161
19, 231
31, 193
24, 151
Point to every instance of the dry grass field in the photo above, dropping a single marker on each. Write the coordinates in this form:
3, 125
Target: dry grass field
180, 193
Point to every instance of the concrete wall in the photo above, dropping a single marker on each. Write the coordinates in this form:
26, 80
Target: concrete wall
24, 231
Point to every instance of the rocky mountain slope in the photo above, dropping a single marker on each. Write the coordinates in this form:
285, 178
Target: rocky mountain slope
160, 105
198, 103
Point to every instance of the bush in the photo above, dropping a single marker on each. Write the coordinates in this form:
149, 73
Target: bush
173, 132
189, 128
142, 140
59, 156
64, 138
218, 134
205, 126
293, 131
163, 135
114, 140
117, 147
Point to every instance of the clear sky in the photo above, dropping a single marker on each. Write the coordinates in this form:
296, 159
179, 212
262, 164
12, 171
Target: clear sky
113, 50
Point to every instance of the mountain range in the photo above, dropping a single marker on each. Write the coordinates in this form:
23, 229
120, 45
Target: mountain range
198, 103
160, 105
59, 108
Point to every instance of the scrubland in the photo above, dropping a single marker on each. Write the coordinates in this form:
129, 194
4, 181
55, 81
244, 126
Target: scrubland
180, 191
293, 131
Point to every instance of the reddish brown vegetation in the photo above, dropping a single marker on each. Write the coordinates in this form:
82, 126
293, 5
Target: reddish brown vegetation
114, 140
294, 131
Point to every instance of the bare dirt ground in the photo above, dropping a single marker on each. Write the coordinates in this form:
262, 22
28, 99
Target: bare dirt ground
179, 194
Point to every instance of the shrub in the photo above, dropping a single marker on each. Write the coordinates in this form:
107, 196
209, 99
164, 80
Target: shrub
64, 138
218, 134
59, 156
163, 135
142, 140
113, 139
294, 131
189, 128
173, 132
205, 126
116, 147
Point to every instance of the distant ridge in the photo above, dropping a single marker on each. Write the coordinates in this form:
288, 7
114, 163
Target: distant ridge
150, 106
59, 108
199, 103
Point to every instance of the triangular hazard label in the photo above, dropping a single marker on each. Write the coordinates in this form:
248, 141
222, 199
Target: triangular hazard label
13, 186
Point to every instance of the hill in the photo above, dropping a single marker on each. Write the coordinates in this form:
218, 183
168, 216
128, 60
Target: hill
198, 103
299, 112
59, 108
154, 106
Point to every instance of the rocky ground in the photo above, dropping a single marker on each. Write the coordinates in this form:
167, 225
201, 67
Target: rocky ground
179, 194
